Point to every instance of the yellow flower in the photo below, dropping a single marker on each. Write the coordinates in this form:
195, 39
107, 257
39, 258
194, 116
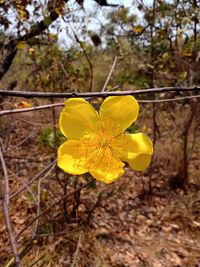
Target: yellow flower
97, 142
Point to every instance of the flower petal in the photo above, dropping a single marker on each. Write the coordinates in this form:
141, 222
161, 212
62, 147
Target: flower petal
108, 168
71, 157
78, 118
122, 110
137, 150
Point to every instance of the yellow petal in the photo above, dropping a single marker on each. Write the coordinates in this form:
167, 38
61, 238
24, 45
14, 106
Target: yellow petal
122, 110
71, 157
78, 118
108, 168
137, 150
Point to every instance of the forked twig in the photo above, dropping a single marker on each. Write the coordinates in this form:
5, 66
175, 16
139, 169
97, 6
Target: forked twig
45, 172
52, 205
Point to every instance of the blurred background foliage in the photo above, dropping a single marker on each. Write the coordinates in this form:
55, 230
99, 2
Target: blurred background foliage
57, 53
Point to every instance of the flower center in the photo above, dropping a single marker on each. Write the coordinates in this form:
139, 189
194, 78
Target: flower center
99, 148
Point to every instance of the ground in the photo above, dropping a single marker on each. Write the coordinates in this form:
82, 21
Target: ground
124, 224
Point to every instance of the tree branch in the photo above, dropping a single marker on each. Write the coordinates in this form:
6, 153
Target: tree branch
29, 94
146, 101
35, 30
6, 208
86, 56
23, 110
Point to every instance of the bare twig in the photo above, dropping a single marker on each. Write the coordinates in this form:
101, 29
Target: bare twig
33, 123
76, 200
86, 56
23, 141
37, 203
6, 208
64, 187
152, 27
2, 145
28, 189
44, 171
23, 110
38, 208
76, 252
22, 252
29, 94
169, 99
60, 233
55, 139
16, 111
37, 261
185, 136
52, 205
90, 65
110, 73
96, 204
194, 140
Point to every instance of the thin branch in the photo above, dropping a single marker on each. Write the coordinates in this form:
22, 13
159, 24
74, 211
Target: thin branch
194, 140
110, 73
28, 94
55, 137
77, 250
59, 233
37, 261
185, 137
23, 141
86, 56
37, 203
169, 99
28, 189
52, 205
152, 26
6, 209
23, 110
45, 171
34, 123
38, 208
2, 145
22, 252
